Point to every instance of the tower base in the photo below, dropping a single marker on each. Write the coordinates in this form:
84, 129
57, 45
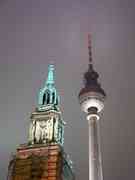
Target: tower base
38, 162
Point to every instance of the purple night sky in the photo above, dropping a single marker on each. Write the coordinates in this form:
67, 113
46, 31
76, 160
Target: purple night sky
35, 32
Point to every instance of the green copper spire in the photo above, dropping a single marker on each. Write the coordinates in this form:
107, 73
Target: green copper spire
50, 78
47, 125
47, 96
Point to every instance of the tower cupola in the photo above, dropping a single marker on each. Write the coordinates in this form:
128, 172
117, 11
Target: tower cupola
48, 96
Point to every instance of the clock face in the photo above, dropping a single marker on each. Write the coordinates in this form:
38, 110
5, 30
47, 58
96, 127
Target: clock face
42, 124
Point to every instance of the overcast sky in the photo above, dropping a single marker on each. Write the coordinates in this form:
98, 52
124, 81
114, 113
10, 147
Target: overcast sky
35, 32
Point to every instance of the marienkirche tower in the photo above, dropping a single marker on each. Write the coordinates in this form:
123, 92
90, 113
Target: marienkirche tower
43, 156
91, 99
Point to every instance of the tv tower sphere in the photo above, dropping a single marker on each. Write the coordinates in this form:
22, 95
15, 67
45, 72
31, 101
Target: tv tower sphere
92, 96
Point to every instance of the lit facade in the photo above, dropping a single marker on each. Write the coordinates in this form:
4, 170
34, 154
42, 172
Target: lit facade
43, 157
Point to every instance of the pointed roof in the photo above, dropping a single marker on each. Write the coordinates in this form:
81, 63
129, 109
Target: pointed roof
48, 94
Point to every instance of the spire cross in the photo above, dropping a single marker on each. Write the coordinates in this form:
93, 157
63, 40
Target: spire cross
89, 48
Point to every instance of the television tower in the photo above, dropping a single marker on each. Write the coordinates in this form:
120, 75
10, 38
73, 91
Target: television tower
91, 99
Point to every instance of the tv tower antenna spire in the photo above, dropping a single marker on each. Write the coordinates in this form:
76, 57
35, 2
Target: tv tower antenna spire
90, 48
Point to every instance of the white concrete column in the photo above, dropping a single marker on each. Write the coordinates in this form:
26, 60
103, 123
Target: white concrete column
95, 164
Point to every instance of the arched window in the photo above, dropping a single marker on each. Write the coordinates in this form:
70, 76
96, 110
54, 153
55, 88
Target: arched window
48, 98
44, 99
53, 97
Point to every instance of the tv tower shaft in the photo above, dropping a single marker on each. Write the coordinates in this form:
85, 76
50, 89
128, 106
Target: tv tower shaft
95, 161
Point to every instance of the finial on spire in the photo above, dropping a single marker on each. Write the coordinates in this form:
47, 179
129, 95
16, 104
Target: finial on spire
50, 78
89, 48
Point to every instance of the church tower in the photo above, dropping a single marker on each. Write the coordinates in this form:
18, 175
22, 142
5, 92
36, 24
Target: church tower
43, 157
91, 99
